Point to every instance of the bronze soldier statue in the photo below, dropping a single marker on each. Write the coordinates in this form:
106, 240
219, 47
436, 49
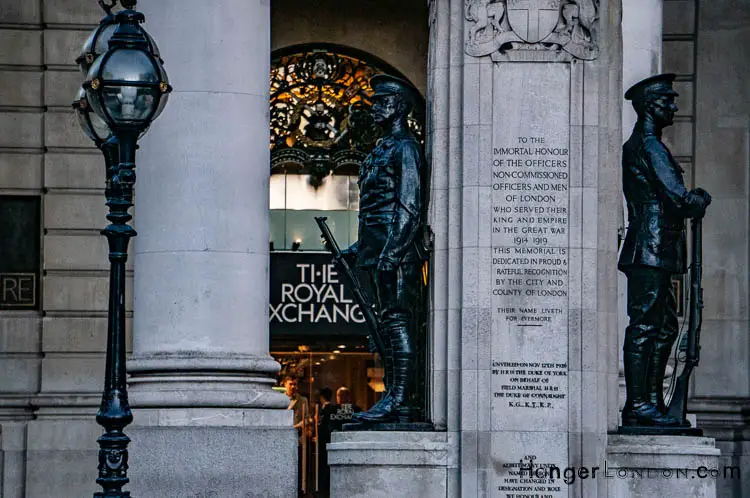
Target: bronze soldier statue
390, 248
654, 249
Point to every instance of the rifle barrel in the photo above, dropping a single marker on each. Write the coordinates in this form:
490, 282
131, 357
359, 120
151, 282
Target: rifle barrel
359, 296
696, 304
678, 404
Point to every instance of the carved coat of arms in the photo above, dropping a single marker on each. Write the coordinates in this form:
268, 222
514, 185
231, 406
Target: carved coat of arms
500, 25
533, 20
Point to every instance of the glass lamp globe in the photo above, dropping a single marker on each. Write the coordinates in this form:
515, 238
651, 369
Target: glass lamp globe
91, 124
127, 85
98, 43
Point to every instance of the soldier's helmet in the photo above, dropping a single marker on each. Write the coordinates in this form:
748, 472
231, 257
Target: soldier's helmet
385, 84
653, 86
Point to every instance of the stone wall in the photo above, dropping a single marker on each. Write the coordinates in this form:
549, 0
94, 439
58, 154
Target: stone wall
721, 396
393, 30
482, 100
51, 360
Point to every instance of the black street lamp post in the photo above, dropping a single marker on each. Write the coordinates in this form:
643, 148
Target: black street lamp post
126, 88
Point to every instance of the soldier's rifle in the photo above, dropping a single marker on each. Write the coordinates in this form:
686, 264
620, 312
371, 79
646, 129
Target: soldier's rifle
368, 309
678, 404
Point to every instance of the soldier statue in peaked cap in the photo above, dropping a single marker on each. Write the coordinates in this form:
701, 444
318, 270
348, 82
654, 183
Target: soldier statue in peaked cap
654, 249
390, 248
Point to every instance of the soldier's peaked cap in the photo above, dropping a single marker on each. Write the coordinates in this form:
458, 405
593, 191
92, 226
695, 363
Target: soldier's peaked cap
661, 84
385, 84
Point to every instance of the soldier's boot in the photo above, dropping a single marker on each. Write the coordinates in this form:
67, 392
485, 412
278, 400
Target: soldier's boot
388, 409
638, 409
387, 363
403, 357
656, 371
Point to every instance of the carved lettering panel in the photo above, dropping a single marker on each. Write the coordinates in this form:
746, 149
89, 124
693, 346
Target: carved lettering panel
530, 202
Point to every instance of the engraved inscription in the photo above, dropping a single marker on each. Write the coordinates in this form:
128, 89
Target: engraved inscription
531, 385
523, 479
529, 226
527, 173
529, 180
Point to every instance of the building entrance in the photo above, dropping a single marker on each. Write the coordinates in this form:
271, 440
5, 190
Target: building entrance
321, 130
326, 383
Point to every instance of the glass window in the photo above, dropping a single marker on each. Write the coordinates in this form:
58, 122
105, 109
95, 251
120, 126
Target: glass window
331, 195
19, 252
321, 130
295, 230
278, 192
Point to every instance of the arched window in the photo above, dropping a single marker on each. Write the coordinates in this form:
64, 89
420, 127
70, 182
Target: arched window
321, 130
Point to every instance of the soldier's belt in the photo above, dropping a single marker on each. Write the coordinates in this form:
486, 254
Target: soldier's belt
376, 217
653, 207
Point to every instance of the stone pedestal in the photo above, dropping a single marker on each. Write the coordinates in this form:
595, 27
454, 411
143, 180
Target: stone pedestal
230, 453
374, 464
662, 466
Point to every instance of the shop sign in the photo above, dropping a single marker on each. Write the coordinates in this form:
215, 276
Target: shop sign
309, 295
17, 290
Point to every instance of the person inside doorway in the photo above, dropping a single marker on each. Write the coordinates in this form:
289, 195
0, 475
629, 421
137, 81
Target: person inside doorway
299, 404
344, 409
327, 409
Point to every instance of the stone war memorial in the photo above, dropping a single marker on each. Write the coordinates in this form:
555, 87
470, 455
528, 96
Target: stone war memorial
525, 195
423, 249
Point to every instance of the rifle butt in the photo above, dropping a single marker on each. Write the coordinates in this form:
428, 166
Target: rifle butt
678, 404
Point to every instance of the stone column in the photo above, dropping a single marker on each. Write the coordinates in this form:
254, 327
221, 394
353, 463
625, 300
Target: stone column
721, 395
641, 58
525, 134
641, 49
201, 373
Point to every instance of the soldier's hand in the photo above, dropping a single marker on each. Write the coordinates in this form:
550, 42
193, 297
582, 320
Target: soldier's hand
706, 196
701, 200
371, 346
385, 265
326, 245
350, 254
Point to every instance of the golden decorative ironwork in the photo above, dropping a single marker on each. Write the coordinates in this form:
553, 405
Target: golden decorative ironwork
319, 109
